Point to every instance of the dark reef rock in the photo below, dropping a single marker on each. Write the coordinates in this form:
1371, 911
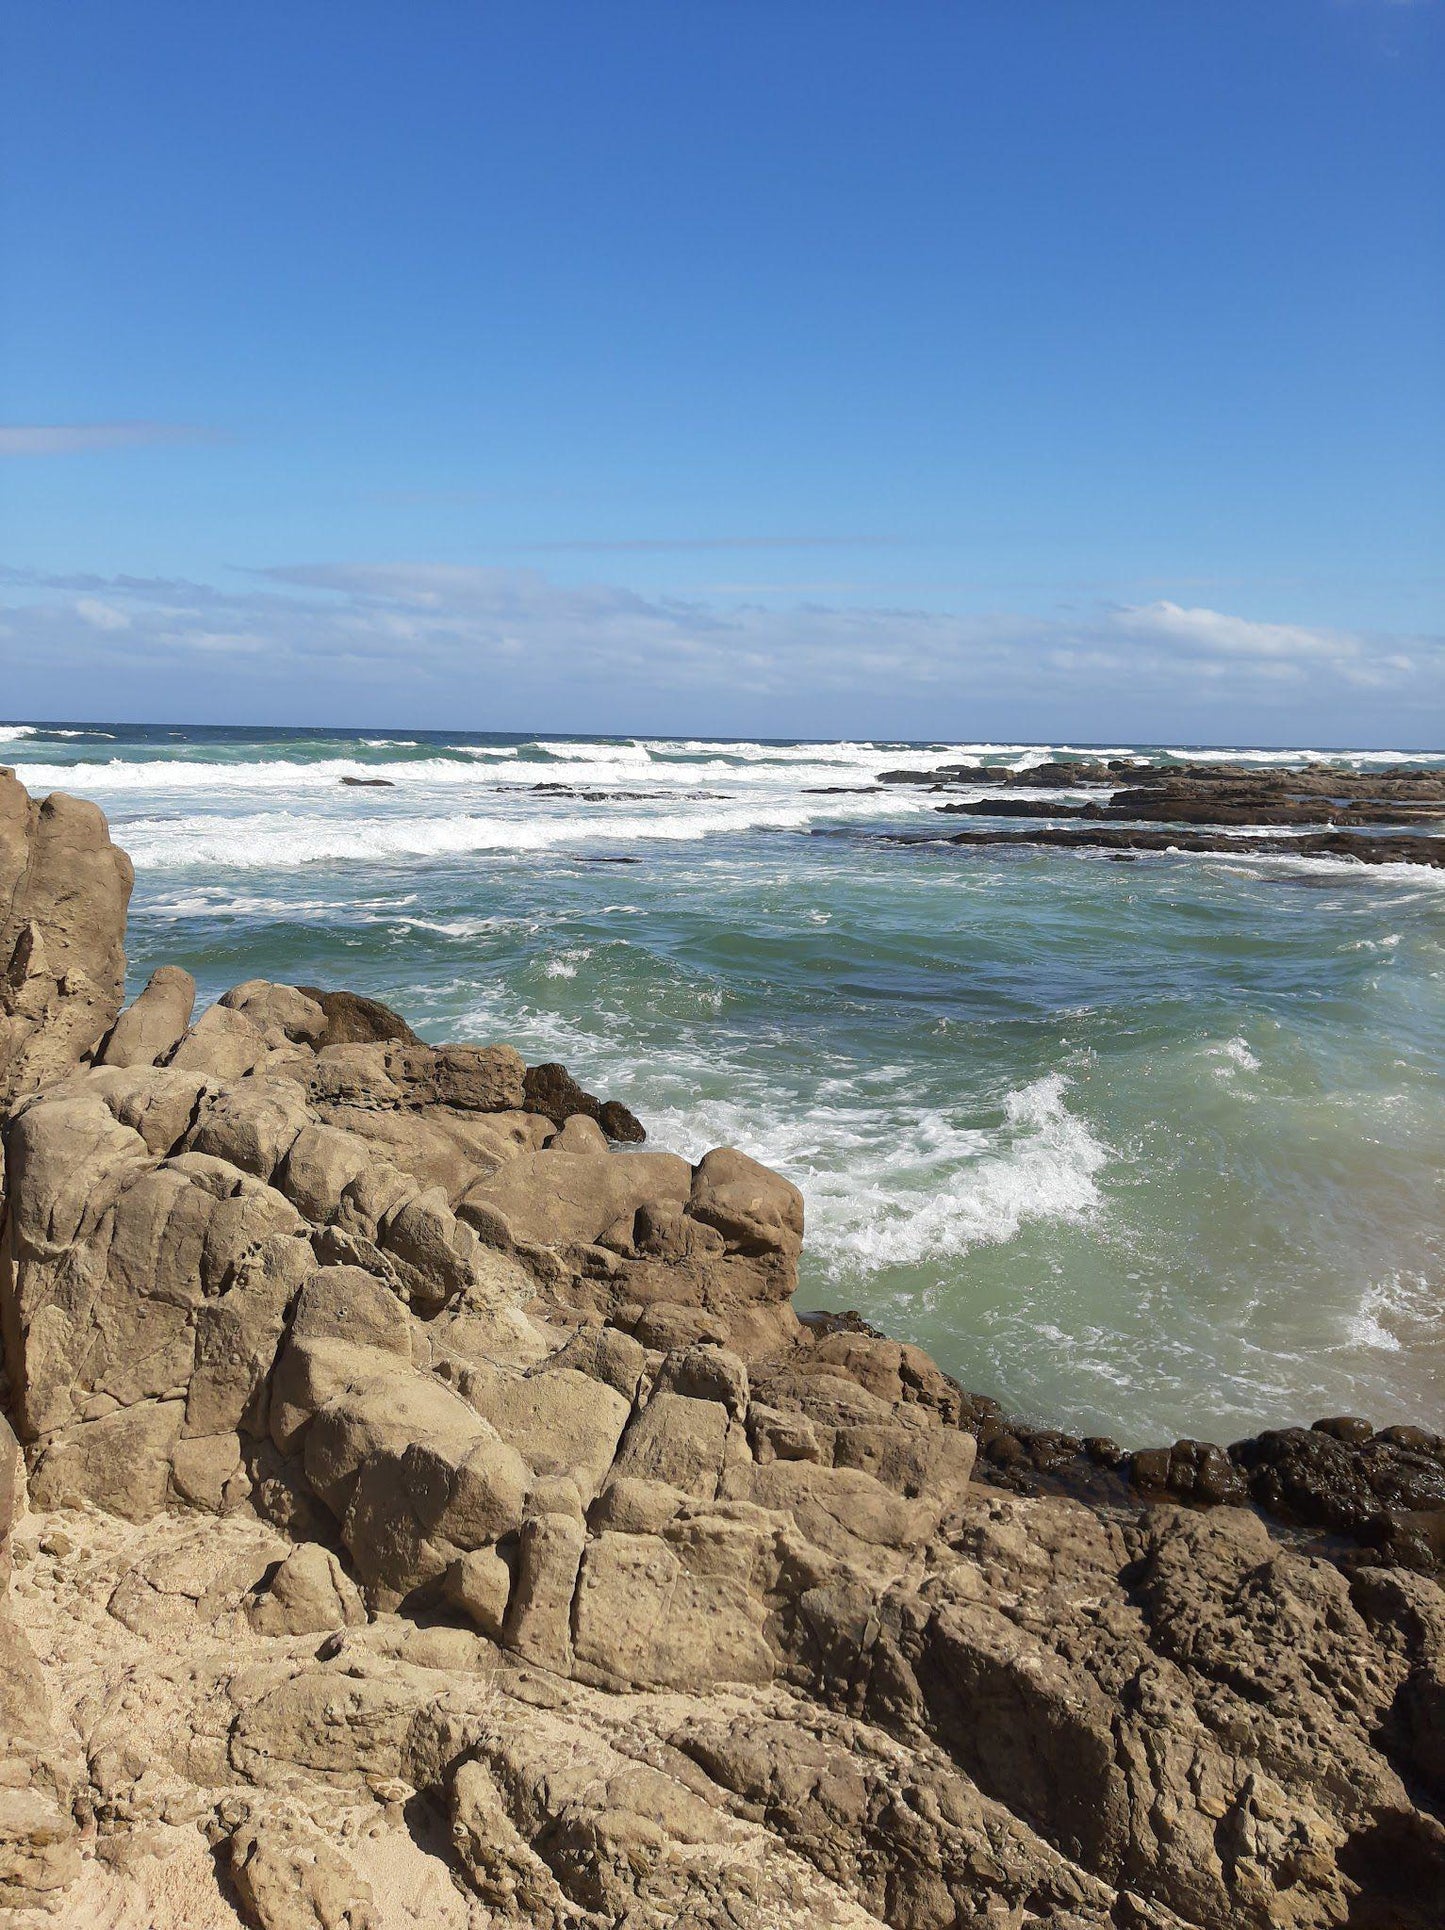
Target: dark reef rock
1381, 1492
1312, 1476
354, 1020
1194, 1471
552, 1091
1206, 798
1401, 848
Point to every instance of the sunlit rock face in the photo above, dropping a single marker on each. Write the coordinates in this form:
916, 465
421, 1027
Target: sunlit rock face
437, 1514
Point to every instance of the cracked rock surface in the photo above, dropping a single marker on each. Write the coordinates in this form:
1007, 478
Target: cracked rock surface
424, 1512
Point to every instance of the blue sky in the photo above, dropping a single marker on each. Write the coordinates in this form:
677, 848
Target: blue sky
797, 367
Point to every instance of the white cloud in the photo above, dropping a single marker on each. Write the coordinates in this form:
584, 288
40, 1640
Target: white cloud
101, 616
413, 639
80, 438
1212, 633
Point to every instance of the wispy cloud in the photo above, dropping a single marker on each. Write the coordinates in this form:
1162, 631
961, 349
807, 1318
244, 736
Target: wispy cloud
462, 639
1212, 633
84, 438
628, 545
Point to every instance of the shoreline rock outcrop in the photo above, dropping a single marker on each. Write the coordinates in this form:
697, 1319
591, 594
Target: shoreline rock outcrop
64, 891
1213, 806
437, 1514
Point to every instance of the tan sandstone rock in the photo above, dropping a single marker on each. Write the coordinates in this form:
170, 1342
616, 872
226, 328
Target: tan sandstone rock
154, 1023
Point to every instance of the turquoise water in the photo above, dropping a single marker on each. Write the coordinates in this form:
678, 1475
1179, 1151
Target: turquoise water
1146, 1149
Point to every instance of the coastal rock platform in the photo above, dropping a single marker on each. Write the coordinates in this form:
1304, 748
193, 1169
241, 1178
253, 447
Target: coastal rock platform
424, 1507
1395, 815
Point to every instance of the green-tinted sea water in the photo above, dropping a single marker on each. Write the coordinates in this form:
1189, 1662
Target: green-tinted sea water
1146, 1149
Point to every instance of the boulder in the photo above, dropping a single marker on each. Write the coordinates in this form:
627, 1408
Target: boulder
12, 1489
480, 1585
843, 1511
707, 1374
348, 1328
756, 1211
558, 1198
111, 1256
39, 1850
415, 1507
237, 1337
309, 1593
120, 1461
252, 1125
561, 1421
434, 1251
288, 1875
579, 1134
683, 1609
552, 1091
158, 1102
539, 1613
354, 1020
222, 1043
278, 1008
154, 1023
64, 890
679, 1441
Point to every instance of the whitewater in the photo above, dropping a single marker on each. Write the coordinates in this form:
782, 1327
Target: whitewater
1147, 1149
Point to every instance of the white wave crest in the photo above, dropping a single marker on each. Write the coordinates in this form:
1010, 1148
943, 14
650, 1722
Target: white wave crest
633, 754
286, 775
281, 839
890, 1187
1399, 1312
1236, 1055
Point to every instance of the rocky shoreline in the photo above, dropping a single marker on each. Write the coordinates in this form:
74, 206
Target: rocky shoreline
427, 1508
1203, 804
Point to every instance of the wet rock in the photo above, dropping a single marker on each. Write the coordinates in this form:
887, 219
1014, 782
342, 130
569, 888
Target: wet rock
552, 1091
1357, 845
1313, 1477
1195, 1471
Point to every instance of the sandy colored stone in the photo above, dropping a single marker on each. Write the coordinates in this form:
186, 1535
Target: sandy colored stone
222, 1043
288, 1876
155, 1021
64, 890
560, 1421
558, 1197
678, 1441
308, 1593
278, 1008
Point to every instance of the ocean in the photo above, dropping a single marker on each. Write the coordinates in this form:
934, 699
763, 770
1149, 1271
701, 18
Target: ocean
1147, 1149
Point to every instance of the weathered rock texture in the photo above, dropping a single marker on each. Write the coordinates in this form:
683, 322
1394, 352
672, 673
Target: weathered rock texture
64, 890
438, 1517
